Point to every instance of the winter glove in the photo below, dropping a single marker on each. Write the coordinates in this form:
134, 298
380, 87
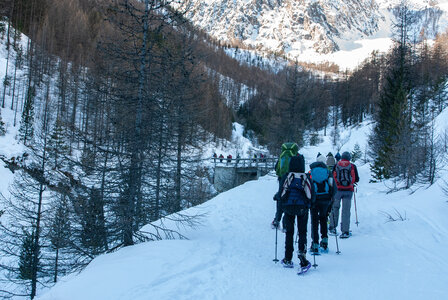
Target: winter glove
276, 197
275, 224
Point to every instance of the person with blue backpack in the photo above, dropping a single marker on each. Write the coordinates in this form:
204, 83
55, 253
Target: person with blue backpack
296, 195
322, 185
346, 176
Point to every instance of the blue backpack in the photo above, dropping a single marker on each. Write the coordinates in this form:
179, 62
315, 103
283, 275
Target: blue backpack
321, 185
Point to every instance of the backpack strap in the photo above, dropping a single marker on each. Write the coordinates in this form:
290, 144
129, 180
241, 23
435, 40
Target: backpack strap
352, 173
335, 175
306, 184
286, 184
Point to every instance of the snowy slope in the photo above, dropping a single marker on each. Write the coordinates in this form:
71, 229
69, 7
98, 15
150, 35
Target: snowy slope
230, 255
9, 146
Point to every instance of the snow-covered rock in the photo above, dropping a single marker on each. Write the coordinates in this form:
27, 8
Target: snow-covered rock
311, 29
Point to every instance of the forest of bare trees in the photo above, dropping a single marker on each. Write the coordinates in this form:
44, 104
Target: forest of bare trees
116, 103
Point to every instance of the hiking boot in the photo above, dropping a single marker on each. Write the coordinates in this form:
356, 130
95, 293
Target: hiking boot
314, 248
303, 261
345, 235
332, 231
324, 244
275, 224
287, 263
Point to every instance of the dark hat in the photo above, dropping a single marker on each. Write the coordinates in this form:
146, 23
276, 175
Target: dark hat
297, 164
346, 155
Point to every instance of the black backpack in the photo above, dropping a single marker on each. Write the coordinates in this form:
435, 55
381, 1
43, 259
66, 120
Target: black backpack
344, 174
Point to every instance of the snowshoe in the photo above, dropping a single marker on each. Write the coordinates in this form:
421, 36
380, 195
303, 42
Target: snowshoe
332, 231
345, 235
287, 263
314, 250
324, 245
304, 269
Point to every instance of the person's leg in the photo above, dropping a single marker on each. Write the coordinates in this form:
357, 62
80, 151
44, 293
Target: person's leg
302, 223
288, 221
334, 215
315, 224
345, 214
323, 218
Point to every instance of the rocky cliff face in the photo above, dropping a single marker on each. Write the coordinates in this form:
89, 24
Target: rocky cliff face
292, 27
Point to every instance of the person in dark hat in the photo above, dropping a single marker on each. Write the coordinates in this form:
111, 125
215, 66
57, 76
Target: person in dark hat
296, 196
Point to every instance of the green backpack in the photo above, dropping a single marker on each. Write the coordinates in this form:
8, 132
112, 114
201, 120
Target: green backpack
288, 150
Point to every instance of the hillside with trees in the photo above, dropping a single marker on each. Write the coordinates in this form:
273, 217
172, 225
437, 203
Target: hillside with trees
116, 101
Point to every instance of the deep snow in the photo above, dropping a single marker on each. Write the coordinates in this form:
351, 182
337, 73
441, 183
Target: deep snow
230, 255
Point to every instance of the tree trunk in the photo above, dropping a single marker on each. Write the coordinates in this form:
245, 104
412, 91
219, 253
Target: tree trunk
7, 64
56, 261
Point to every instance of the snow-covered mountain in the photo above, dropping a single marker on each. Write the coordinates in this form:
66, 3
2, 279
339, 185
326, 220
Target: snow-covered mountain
306, 28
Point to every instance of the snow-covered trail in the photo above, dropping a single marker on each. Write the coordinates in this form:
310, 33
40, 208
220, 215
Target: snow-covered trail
230, 255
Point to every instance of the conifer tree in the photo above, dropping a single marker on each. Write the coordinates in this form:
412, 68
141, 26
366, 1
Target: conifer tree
26, 130
393, 129
57, 146
356, 153
93, 233
60, 232
2, 126
26, 258
387, 130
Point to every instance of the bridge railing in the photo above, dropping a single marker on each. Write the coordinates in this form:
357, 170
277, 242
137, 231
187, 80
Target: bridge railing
259, 162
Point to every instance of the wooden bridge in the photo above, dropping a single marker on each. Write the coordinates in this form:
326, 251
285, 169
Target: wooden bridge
231, 172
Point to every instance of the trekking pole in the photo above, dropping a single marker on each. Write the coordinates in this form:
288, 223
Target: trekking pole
314, 265
275, 259
356, 210
313, 253
336, 236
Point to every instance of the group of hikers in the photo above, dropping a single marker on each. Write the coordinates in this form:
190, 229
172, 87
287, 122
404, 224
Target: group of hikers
221, 157
260, 157
330, 180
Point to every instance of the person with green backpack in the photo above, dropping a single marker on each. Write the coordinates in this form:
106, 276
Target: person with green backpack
289, 150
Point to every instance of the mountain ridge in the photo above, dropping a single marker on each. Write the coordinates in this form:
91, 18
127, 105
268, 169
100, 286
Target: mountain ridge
307, 27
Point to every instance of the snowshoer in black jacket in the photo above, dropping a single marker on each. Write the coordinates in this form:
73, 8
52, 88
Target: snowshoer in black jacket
323, 187
296, 195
